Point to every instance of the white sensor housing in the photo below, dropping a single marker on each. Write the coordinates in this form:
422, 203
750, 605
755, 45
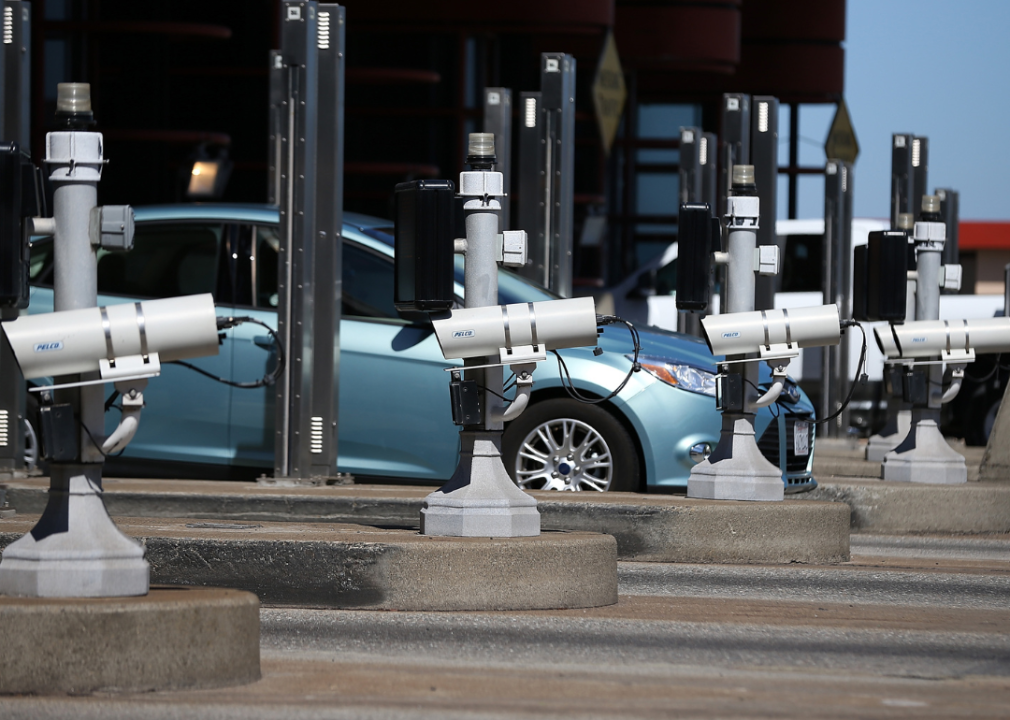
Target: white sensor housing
104, 339
515, 330
951, 340
772, 333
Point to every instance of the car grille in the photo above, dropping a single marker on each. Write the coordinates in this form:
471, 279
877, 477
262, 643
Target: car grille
769, 444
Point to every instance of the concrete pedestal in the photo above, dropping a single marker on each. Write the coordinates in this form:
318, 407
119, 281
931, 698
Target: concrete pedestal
896, 430
480, 500
736, 469
924, 456
172, 638
75, 550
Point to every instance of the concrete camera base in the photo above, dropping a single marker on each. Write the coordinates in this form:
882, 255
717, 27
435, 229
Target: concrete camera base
736, 469
361, 567
924, 456
480, 500
169, 639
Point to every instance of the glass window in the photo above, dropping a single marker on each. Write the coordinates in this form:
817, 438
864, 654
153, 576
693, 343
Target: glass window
166, 260
40, 268
367, 277
264, 266
368, 284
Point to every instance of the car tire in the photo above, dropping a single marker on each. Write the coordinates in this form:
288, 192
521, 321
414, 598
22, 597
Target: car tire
576, 432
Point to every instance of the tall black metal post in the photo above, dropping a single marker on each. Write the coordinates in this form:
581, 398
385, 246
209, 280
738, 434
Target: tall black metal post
950, 212
920, 172
837, 288
15, 126
735, 148
902, 179
311, 208
550, 234
764, 156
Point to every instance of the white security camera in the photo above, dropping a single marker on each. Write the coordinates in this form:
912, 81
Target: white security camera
955, 341
517, 333
119, 341
772, 333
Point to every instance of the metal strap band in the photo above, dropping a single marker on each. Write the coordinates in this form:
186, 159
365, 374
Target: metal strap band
533, 324
764, 319
142, 327
789, 330
967, 343
110, 354
505, 322
946, 325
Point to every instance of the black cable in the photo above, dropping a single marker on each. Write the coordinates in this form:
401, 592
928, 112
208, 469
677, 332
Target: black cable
112, 399
487, 389
995, 367
860, 372
635, 365
98, 445
268, 379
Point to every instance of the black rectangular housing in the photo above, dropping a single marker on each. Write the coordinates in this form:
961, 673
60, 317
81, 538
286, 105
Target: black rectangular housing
424, 234
886, 275
729, 393
860, 272
59, 432
465, 398
694, 256
14, 251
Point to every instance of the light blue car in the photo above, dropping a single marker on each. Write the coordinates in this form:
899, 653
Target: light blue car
395, 420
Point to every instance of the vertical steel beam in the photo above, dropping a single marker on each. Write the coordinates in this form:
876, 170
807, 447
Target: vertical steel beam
15, 126
532, 186
17, 52
902, 178
310, 166
735, 123
764, 155
277, 117
327, 263
794, 158
691, 142
557, 89
836, 281
498, 120
708, 157
693, 160
920, 172
950, 212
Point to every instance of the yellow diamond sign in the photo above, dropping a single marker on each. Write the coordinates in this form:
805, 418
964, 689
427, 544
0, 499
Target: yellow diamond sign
841, 143
609, 92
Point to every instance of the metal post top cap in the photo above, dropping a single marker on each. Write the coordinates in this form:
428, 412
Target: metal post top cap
743, 174
930, 204
481, 145
73, 98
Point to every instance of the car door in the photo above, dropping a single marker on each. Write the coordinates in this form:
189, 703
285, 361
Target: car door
186, 413
394, 417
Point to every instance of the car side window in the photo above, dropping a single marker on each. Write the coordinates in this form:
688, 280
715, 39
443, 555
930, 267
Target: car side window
368, 284
166, 260
666, 279
367, 278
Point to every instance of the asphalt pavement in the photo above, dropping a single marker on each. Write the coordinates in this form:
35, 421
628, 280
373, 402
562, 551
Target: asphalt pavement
912, 626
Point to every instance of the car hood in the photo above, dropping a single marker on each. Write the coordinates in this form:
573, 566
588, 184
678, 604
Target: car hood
654, 342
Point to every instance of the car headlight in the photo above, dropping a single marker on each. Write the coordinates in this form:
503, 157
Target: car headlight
685, 377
